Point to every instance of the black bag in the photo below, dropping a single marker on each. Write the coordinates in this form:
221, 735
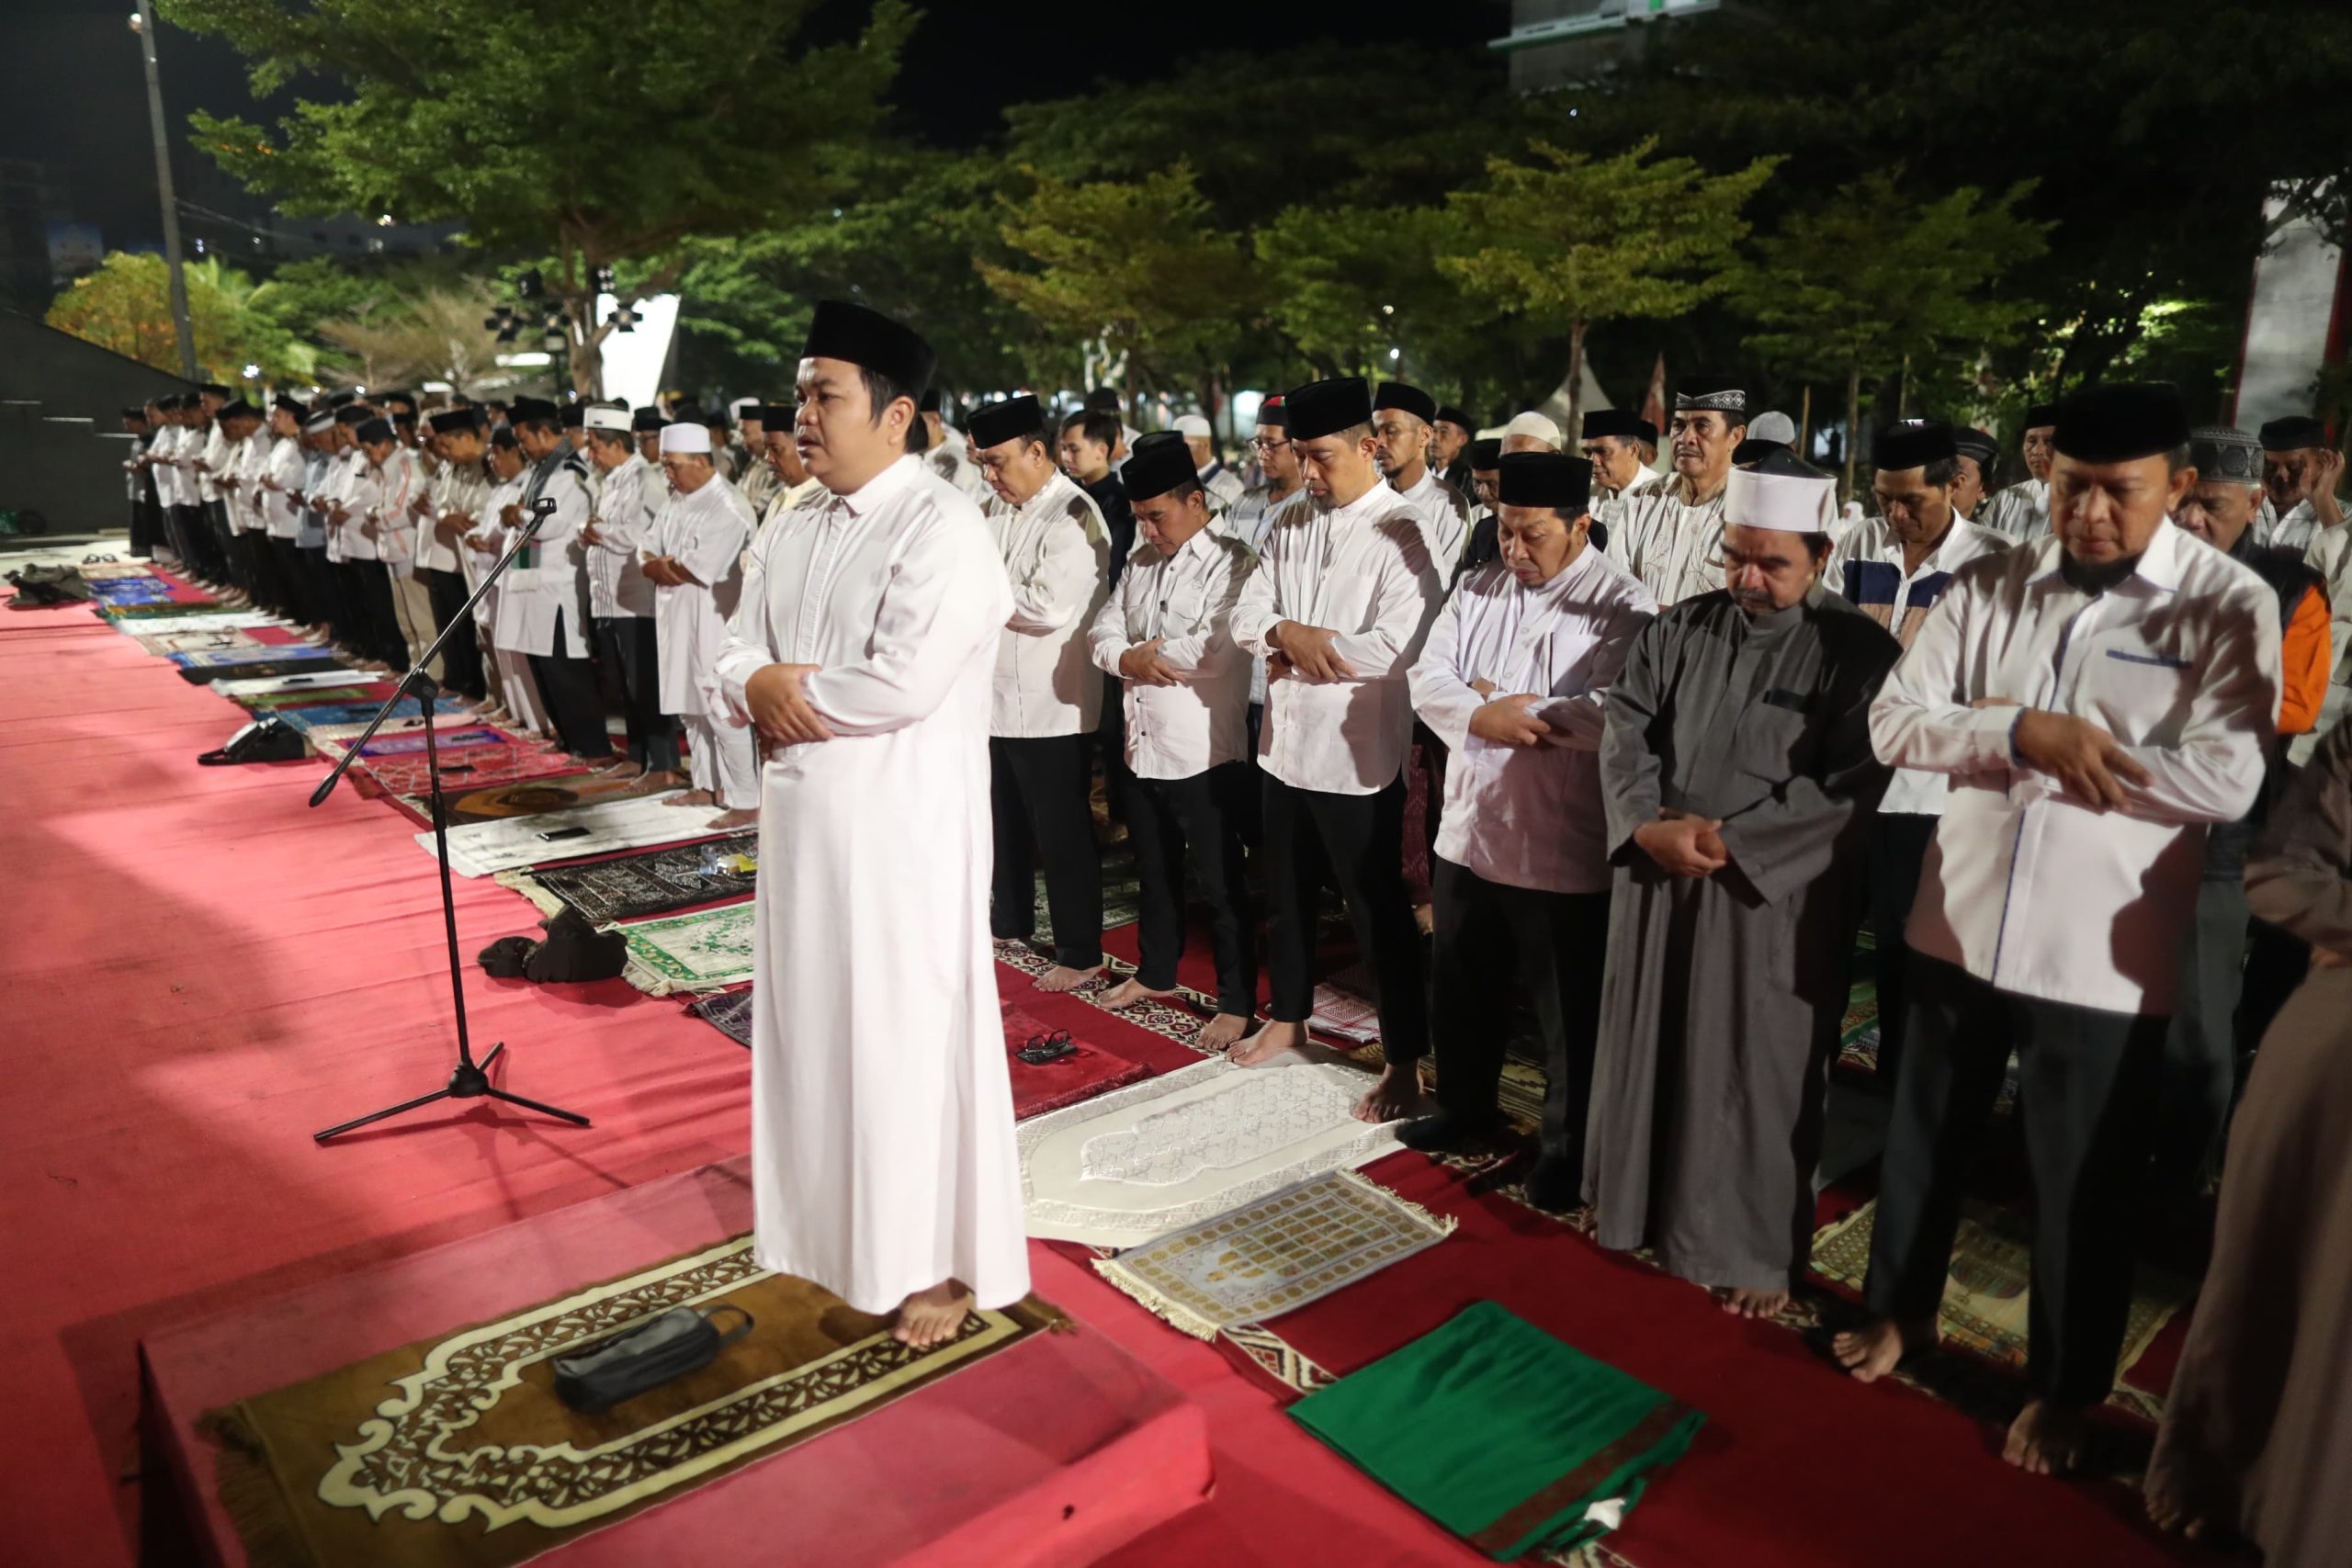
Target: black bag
264, 741
679, 1341
45, 587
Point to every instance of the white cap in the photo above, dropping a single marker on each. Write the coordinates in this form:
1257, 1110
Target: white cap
685, 436
1774, 426
1536, 425
606, 419
1193, 424
1784, 504
736, 409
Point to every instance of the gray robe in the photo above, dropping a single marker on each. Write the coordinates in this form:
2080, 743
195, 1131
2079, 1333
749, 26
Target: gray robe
1723, 995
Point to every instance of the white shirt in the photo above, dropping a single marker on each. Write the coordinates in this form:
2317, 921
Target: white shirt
214, 450
1363, 570
1058, 555
2027, 888
2300, 530
1445, 521
705, 532
1225, 486
1250, 520
1675, 550
549, 579
2022, 510
1532, 817
163, 460
1609, 511
286, 468
499, 495
951, 459
248, 460
624, 516
1866, 566
398, 483
1181, 731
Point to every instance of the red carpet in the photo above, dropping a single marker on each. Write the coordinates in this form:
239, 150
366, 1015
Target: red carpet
202, 972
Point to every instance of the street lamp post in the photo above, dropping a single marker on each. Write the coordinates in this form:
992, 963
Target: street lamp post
143, 22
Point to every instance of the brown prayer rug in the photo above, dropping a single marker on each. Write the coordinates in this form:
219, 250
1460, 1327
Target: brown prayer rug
454, 1453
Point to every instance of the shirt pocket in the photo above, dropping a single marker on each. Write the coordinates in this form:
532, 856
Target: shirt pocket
1774, 737
2139, 691
1184, 610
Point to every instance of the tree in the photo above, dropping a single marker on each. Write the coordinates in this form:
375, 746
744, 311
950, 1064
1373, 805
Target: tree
1874, 279
1358, 290
1571, 240
434, 335
1133, 268
597, 139
126, 306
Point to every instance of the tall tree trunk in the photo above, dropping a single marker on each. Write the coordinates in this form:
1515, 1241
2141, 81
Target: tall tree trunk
1853, 422
1576, 329
587, 351
1804, 424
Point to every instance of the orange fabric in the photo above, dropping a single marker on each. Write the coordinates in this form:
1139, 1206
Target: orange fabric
2306, 661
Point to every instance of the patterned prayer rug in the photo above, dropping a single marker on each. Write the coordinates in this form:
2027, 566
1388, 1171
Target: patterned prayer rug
406, 737
1282, 1251
652, 882
252, 653
530, 798
700, 952
1186, 1147
154, 620
320, 667
730, 1013
305, 715
465, 768
454, 1453
511, 843
1983, 1308
1042, 1086
196, 642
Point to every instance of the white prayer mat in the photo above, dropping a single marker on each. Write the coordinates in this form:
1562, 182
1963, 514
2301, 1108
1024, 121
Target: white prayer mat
218, 620
511, 843
1186, 1147
701, 952
270, 685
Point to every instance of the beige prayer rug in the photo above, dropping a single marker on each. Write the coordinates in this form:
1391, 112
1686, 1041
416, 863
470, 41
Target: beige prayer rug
454, 1453
1282, 1251
701, 952
1984, 1307
1184, 1148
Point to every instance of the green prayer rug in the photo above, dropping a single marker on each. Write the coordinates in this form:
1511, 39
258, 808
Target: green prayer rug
1511, 1439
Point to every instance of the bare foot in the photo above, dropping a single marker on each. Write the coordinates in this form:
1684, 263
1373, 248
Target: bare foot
1425, 917
1877, 1346
1745, 1301
1397, 1096
1267, 1044
2174, 1519
929, 1316
621, 768
1222, 1032
1062, 977
1126, 994
738, 818
692, 797
2046, 1438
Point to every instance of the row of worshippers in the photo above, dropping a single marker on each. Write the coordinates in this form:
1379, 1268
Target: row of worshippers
1683, 770
350, 520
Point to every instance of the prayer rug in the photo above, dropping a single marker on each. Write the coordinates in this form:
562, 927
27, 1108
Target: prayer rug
454, 1453
196, 642
1184, 1148
187, 618
321, 667
1344, 1009
531, 798
464, 767
1263, 1258
240, 684
228, 657
160, 608
1504, 1435
309, 715
404, 737
281, 701
652, 882
485, 849
1042, 1086
1984, 1309
730, 1013
700, 952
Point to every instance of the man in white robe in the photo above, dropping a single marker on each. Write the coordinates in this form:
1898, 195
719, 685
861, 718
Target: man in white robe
1513, 677
1671, 535
1621, 446
517, 689
795, 488
948, 454
621, 598
694, 558
543, 606
883, 1157
2022, 510
1402, 418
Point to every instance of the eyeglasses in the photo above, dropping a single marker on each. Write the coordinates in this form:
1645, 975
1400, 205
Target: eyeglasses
1269, 446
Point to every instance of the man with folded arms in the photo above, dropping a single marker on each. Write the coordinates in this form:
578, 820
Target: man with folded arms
621, 598
1402, 422
1047, 697
1513, 678
1670, 534
2097, 698
1338, 607
692, 555
1167, 634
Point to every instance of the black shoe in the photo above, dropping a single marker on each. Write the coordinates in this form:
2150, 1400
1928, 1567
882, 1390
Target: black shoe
1556, 1184
1449, 1132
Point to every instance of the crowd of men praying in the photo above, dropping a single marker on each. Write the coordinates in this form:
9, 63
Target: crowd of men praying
1681, 731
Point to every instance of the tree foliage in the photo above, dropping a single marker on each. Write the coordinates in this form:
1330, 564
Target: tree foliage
432, 335
126, 306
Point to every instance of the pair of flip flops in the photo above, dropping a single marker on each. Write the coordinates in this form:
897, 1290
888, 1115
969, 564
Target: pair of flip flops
573, 950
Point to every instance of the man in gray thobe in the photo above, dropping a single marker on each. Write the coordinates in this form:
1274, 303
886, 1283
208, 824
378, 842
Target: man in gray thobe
1737, 773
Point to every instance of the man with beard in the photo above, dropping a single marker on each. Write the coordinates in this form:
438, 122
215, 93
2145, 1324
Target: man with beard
1671, 534
1401, 423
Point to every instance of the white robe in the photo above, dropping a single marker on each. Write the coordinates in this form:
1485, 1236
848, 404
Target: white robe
551, 579
704, 533
883, 1158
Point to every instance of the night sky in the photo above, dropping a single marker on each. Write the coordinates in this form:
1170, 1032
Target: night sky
71, 95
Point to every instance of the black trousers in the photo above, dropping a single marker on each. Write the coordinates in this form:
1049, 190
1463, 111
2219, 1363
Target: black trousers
1362, 839
2088, 1098
367, 589
2276, 965
627, 645
1432, 761
143, 529
2199, 1077
462, 655
326, 593
1110, 733
1492, 938
225, 550
192, 537
1897, 846
1176, 823
1038, 790
261, 570
568, 686
293, 579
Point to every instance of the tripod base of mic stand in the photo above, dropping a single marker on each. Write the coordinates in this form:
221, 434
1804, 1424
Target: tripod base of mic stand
469, 1081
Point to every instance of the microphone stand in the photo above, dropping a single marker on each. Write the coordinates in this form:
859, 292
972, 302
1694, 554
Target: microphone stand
471, 1081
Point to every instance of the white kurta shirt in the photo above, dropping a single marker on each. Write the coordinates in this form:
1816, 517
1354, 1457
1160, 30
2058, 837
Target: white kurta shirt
952, 461
2027, 888
626, 506
1363, 570
883, 1158
1225, 486
214, 450
1250, 520
362, 500
1866, 566
1676, 549
1445, 521
2022, 512
399, 484
704, 533
163, 461
285, 467
248, 460
496, 498
1187, 598
549, 579
345, 471
1532, 817
2299, 530
1057, 555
